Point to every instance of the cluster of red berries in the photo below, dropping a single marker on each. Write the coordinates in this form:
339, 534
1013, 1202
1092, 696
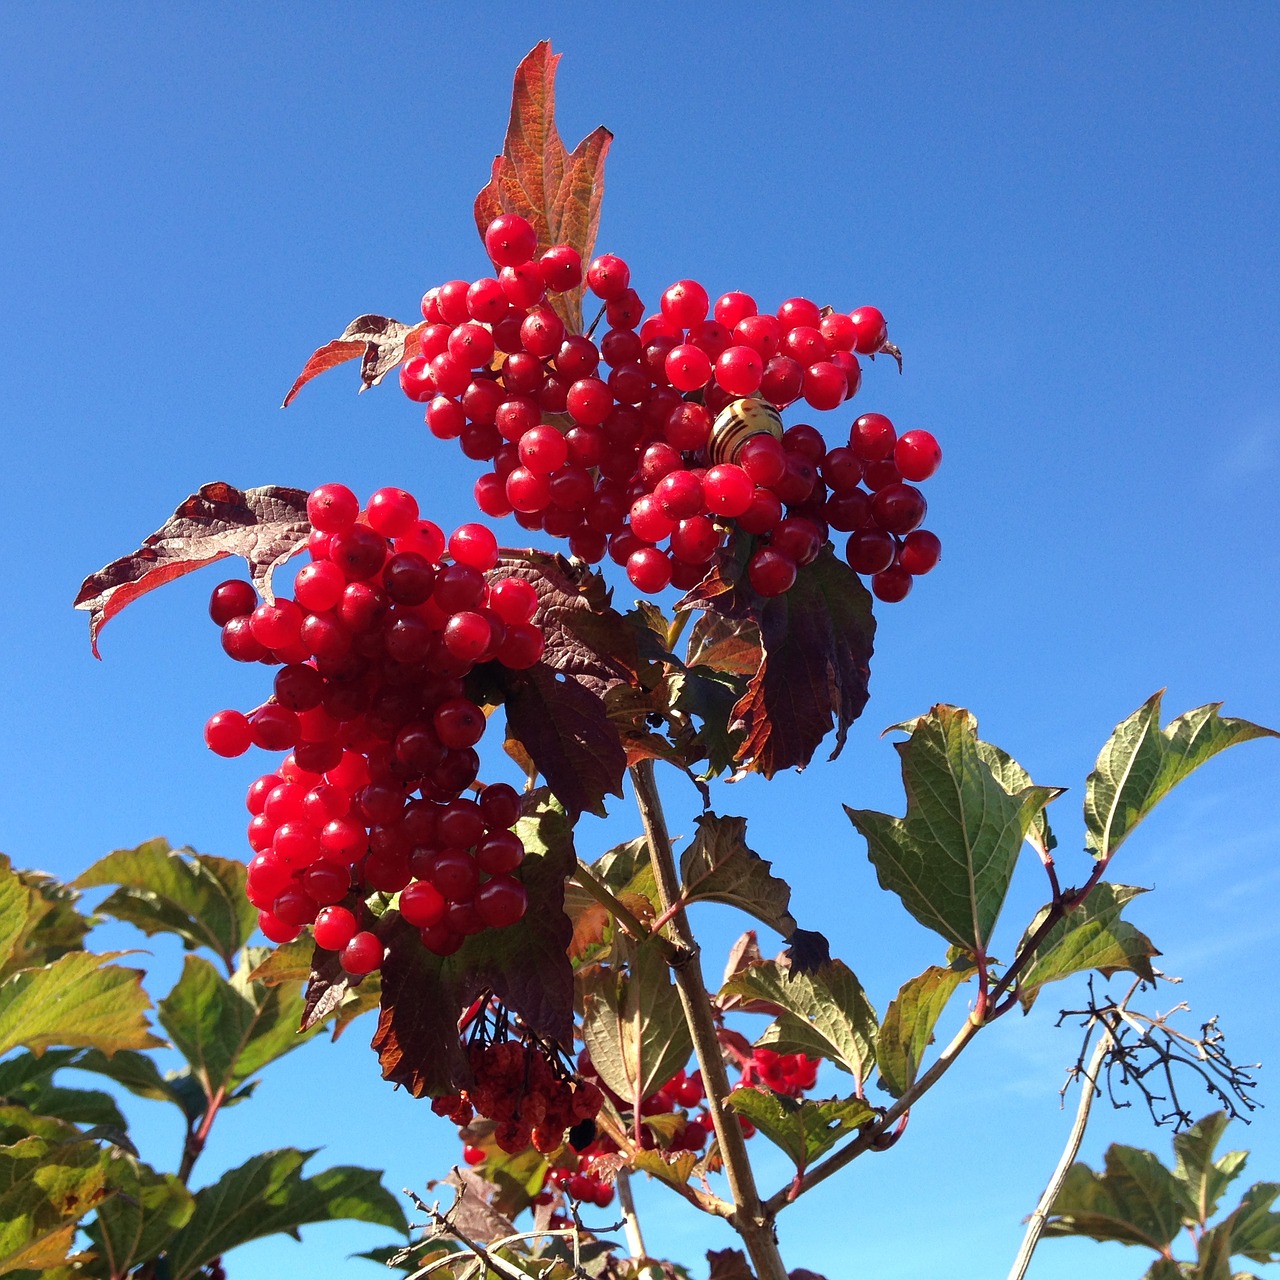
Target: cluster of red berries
787, 1073
530, 1095
657, 460
369, 701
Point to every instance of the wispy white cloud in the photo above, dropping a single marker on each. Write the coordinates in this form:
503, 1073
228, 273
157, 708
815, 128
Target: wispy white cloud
1252, 450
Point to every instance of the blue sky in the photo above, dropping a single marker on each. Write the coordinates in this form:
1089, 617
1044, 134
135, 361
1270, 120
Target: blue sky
1067, 213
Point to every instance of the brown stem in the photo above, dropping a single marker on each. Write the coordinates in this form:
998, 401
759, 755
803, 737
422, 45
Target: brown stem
752, 1221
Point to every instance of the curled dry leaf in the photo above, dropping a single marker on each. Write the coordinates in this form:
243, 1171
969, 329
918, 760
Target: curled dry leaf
378, 342
265, 526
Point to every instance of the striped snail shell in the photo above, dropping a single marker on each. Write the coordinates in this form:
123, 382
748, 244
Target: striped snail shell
737, 423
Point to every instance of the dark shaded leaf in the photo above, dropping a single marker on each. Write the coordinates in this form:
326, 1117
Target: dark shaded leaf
825, 1012
729, 1264
194, 895
1092, 936
633, 1024
907, 1029
1135, 1201
134, 1225
806, 1129
379, 343
816, 653
135, 1071
80, 1000
524, 965
536, 177
473, 1212
951, 858
719, 866
807, 950
265, 526
267, 1195
228, 1030
1141, 763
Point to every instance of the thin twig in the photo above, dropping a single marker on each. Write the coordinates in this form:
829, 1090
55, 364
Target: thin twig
1088, 1091
752, 1221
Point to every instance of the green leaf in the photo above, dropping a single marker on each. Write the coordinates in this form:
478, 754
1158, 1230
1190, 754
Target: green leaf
1091, 936
673, 1167
76, 1106
77, 1000
134, 1225
525, 965
824, 1012
135, 1071
267, 1195
804, 1130
1141, 763
38, 920
951, 858
229, 1030
720, 867
1135, 1201
633, 1023
46, 1188
907, 1029
194, 895
1255, 1229
1203, 1178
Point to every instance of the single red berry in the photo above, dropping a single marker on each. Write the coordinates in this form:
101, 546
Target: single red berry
332, 507
782, 381
274, 728
869, 551
695, 540
649, 570
608, 277
473, 1155
500, 806
474, 545
227, 733
917, 455
739, 370
561, 268
392, 511
872, 437
510, 240
771, 573
422, 904
523, 286
839, 331
763, 459
233, 599
458, 722
363, 954
499, 852
733, 307
275, 929
870, 333
589, 402
543, 449
318, 586
799, 539
891, 584
799, 311
898, 508
514, 600
920, 552
685, 303
687, 367
825, 385
501, 902
728, 489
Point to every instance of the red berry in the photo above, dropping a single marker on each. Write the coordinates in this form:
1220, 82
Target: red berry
561, 268
799, 311
869, 551
275, 929
898, 508
501, 902
510, 240
234, 599
500, 806
227, 733
422, 904
589, 402
733, 307
771, 573
332, 507
891, 584
870, 333
917, 455
872, 437
475, 546
608, 277
728, 489
685, 304
649, 570
363, 954
920, 552
739, 370
473, 1155
543, 449
687, 367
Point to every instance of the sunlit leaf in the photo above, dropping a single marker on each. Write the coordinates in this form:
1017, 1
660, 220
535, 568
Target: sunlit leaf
378, 342
951, 858
194, 895
1091, 937
824, 1012
134, 1225
907, 1029
268, 1194
805, 1129
1141, 763
80, 999
265, 526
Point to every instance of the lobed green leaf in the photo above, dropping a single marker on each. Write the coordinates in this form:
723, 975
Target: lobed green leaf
907, 1029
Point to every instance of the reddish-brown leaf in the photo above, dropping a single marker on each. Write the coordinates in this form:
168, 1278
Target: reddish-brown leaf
378, 342
816, 645
536, 177
266, 526
729, 1264
524, 965
560, 711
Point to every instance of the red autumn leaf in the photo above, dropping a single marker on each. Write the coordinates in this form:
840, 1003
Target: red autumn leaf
816, 644
563, 711
525, 965
536, 177
266, 526
379, 342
